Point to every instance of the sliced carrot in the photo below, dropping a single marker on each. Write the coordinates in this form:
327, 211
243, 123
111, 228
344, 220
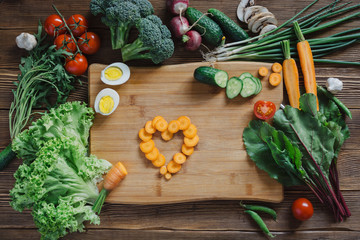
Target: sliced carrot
174, 126
160, 161
157, 118
173, 167
184, 122
149, 128
275, 79
179, 158
263, 71
147, 147
187, 150
166, 135
161, 125
143, 135
191, 131
168, 176
191, 142
163, 170
276, 67
153, 155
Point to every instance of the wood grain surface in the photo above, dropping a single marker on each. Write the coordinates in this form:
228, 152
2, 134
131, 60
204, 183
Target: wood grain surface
219, 168
191, 220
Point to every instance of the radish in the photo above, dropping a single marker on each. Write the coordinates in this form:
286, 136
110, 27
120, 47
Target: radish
177, 7
179, 26
192, 40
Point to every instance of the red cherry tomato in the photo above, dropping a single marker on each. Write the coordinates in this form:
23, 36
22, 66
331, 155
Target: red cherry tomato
65, 42
76, 65
264, 109
78, 24
54, 25
302, 209
89, 43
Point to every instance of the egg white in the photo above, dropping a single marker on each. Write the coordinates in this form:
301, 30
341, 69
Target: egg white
106, 92
124, 77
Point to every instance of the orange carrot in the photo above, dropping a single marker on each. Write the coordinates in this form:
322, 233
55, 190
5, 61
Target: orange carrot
306, 62
275, 79
112, 179
191, 142
147, 147
187, 150
263, 71
179, 158
184, 122
174, 126
168, 176
153, 155
163, 170
276, 67
161, 125
143, 135
160, 161
173, 167
191, 131
149, 128
157, 118
166, 135
291, 76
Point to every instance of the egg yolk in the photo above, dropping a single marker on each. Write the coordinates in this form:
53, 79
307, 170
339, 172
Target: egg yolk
113, 73
106, 104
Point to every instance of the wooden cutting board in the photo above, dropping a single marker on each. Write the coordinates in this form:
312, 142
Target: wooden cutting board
219, 168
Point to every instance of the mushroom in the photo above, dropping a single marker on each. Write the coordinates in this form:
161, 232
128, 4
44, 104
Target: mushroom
256, 17
251, 11
260, 23
267, 29
241, 7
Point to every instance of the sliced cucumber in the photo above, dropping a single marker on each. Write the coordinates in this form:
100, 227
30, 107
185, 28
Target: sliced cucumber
249, 87
245, 75
211, 76
233, 87
259, 85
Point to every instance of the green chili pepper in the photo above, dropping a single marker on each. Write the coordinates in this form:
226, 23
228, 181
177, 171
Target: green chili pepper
336, 100
260, 209
259, 222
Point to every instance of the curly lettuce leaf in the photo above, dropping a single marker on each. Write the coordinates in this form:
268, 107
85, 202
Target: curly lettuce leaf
72, 119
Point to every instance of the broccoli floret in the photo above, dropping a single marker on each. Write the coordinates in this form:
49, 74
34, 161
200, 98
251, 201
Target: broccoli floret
154, 41
120, 16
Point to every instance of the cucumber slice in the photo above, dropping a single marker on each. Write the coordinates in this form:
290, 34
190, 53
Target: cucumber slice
233, 87
245, 75
249, 87
259, 85
211, 76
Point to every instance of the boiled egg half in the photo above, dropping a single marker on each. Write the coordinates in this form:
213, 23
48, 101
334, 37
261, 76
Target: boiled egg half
106, 101
115, 74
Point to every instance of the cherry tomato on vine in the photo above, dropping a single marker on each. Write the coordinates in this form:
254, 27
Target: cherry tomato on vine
264, 109
54, 25
65, 42
76, 65
78, 24
302, 209
89, 43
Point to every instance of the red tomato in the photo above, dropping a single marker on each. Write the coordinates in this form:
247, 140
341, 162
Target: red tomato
89, 43
78, 24
65, 42
302, 209
76, 65
264, 109
54, 25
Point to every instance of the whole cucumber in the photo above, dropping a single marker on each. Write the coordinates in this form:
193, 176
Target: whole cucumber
209, 30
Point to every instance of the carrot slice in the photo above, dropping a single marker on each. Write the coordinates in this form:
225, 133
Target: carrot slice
184, 122
191, 131
174, 126
147, 147
173, 167
153, 155
263, 71
187, 150
179, 158
160, 161
143, 135
161, 125
163, 170
275, 79
114, 176
168, 176
191, 142
154, 121
149, 128
166, 135
276, 67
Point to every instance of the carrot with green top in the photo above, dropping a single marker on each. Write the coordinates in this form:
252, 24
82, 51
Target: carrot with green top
291, 76
112, 179
306, 62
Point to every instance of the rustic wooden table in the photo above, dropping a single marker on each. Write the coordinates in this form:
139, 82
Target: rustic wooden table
193, 220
